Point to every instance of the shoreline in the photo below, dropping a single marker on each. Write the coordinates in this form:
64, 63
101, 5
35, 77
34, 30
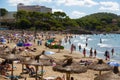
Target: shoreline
100, 49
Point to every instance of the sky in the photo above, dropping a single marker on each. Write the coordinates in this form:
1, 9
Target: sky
73, 8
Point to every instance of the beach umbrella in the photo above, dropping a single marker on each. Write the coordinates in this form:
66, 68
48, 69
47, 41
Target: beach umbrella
24, 59
34, 63
100, 66
113, 63
20, 44
27, 44
25, 54
10, 57
112, 75
68, 66
40, 63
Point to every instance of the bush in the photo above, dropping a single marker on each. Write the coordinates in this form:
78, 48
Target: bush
56, 47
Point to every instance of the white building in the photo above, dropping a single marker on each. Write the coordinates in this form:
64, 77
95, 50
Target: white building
35, 8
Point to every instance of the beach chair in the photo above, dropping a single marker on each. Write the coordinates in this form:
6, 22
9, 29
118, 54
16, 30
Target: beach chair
40, 73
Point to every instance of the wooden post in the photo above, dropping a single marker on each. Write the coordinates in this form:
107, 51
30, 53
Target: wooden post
42, 72
12, 72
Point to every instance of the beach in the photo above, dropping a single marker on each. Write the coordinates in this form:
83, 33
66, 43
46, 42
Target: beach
77, 56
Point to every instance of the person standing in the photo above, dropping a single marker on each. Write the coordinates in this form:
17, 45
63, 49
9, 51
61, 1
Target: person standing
112, 51
95, 53
84, 52
72, 78
86, 44
100, 40
107, 55
79, 47
72, 48
91, 53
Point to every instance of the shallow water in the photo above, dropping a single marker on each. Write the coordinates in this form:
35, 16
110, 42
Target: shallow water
109, 41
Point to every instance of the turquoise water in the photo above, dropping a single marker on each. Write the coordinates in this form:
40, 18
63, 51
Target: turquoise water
109, 41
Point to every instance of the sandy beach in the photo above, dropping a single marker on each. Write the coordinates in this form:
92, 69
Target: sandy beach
89, 75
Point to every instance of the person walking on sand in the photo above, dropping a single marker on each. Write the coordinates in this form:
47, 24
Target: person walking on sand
72, 48
112, 51
84, 52
95, 53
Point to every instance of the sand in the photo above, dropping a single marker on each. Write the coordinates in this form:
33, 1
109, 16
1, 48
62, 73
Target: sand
89, 75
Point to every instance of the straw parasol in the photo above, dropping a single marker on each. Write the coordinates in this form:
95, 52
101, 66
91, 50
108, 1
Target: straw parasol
10, 57
26, 54
36, 64
24, 59
100, 66
112, 75
68, 67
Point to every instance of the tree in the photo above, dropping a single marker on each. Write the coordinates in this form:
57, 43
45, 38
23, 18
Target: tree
21, 15
59, 16
3, 12
23, 24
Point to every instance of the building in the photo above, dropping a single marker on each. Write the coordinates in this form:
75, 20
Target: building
35, 8
9, 17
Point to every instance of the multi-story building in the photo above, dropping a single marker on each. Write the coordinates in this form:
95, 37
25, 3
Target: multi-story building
35, 8
8, 17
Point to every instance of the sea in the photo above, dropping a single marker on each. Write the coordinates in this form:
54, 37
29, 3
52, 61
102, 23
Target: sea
100, 42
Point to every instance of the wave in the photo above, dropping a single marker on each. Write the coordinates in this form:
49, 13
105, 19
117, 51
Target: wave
75, 41
104, 39
104, 45
82, 37
90, 39
82, 45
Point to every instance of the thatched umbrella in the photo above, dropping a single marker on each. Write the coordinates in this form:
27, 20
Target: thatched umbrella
26, 54
24, 59
100, 66
10, 57
68, 67
112, 75
36, 64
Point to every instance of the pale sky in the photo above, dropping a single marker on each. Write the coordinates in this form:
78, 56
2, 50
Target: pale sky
73, 8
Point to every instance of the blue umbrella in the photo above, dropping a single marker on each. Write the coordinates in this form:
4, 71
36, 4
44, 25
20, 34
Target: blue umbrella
113, 64
20, 44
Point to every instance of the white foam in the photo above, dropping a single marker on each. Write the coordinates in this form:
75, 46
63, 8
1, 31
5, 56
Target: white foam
76, 41
104, 45
104, 39
90, 39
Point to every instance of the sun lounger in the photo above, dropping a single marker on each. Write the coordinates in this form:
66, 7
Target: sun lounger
50, 78
33, 74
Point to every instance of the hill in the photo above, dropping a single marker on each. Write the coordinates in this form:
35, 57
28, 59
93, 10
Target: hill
101, 22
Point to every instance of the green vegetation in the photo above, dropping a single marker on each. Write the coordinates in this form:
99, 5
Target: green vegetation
59, 21
55, 47
3, 12
103, 22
